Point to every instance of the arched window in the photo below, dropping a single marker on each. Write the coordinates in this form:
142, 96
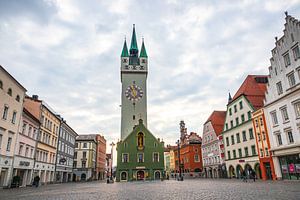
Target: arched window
9, 91
18, 98
1, 85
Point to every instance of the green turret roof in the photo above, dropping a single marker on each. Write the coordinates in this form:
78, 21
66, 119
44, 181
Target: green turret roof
125, 50
133, 45
143, 51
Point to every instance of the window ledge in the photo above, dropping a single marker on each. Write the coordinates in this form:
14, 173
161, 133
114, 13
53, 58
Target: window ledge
287, 121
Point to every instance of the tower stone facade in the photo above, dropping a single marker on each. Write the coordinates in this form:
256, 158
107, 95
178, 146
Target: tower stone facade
134, 70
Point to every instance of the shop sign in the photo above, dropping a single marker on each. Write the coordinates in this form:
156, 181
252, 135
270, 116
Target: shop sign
284, 169
141, 167
297, 168
241, 161
292, 168
24, 163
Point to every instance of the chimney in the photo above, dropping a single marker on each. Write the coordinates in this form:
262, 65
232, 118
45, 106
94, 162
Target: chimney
35, 97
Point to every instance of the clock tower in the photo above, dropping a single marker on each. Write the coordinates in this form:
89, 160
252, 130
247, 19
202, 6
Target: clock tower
140, 155
134, 70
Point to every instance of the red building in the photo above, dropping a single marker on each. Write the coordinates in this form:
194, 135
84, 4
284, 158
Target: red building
190, 154
101, 157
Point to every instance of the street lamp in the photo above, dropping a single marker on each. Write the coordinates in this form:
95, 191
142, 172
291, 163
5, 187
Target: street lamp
180, 178
112, 151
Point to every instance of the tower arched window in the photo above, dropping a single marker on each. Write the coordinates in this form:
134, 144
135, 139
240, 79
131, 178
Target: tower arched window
9, 91
18, 98
1, 85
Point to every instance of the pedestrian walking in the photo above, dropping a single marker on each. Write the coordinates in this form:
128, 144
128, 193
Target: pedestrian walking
253, 175
244, 176
36, 181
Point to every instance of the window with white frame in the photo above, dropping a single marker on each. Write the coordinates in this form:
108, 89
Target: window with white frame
290, 137
297, 108
296, 52
14, 116
196, 158
287, 60
284, 113
5, 112
279, 88
21, 149
125, 157
8, 146
279, 139
140, 157
291, 78
155, 157
274, 118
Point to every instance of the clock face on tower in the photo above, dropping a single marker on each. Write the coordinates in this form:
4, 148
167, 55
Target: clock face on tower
134, 93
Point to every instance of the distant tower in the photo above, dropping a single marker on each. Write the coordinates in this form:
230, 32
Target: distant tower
183, 131
134, 70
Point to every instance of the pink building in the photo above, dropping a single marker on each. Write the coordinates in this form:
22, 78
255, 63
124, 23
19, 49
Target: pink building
25, 148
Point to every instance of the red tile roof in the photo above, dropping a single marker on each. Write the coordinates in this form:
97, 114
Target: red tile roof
217, 119
253, 88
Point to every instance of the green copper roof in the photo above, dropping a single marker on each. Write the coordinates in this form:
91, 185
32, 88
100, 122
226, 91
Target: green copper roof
143, 51
133, 45
125, 50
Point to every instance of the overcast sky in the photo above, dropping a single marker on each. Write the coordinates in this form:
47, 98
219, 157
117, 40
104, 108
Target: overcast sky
68, 52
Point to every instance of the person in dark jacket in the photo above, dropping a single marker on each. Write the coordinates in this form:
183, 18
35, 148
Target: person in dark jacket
253, 175
36, 181
244, 174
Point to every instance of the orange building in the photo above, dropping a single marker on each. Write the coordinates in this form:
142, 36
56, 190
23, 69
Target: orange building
263, 145
190, 155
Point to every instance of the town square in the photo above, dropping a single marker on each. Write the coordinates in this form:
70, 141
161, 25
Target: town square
149, 99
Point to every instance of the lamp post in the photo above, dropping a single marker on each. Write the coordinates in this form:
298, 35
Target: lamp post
180, 178
112, 151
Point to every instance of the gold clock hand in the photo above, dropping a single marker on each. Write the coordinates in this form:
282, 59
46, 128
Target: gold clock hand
133, 91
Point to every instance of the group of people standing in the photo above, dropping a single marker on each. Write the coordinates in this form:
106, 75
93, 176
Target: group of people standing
252, 175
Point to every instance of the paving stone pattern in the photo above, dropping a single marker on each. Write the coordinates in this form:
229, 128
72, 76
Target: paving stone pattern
188, 189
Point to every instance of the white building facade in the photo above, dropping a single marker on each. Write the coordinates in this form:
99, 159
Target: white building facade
11, 94
212, 146
282, 103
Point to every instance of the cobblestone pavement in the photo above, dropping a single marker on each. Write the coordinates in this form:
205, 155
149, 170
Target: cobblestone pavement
188, 189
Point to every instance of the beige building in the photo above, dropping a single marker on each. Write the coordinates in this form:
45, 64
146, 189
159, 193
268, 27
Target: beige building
11, 94
47, 139
85, 158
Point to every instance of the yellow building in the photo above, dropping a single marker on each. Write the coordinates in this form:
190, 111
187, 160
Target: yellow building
47, 139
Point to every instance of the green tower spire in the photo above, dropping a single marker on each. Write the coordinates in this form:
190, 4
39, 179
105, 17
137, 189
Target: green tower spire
125, 50
133, 45
143, 53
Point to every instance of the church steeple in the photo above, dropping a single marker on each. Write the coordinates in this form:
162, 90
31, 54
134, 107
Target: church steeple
125, 50
143, 53
133, 46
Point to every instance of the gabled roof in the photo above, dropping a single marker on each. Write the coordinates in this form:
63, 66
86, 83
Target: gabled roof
253, 88
217, 119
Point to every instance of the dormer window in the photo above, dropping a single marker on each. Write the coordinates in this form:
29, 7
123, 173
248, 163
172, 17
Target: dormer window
9, 91
1, 85
143, 61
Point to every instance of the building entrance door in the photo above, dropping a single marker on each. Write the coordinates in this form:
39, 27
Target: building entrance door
140, 175
157, 175
268, 170
3, 177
